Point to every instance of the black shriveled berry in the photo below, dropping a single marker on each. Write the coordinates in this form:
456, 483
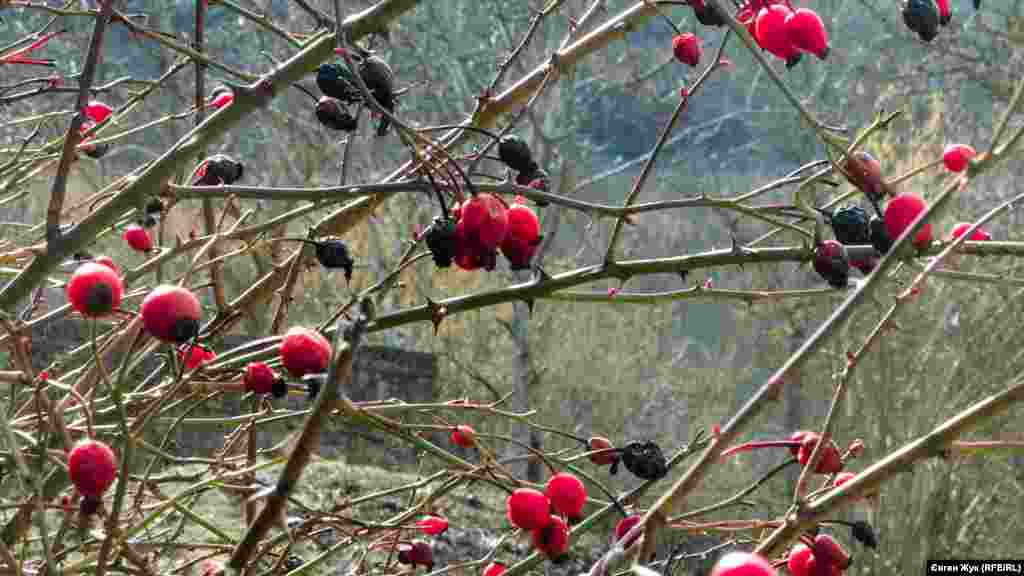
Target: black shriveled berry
880, 238
831, 264
185, 329
380, 81
515, 153
644, 460
332, 113
850, 225
865, 534
442, 241
279, 389
922, 17
219, 169
97, 151
334, 254
707, 15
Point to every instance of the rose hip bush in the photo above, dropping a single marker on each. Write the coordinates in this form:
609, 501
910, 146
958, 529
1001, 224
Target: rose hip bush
87, 439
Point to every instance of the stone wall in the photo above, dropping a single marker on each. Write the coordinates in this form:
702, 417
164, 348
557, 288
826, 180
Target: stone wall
380, 372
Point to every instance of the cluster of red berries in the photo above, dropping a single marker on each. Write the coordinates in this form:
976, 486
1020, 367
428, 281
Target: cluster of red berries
821, 555
95, 113
531, 510
783, 31
483, 224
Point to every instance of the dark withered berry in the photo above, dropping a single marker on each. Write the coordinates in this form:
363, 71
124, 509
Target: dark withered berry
332, 113
850, 225
219, 169
644, 460
334, 254
97, 151
922, 17
313, 384
442, 241
880, 238
831, 264
516, 154
707, 15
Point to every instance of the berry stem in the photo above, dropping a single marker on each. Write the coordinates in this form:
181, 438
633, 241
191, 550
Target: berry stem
760, 444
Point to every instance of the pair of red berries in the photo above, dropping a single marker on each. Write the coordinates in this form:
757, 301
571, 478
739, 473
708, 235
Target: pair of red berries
484, 224
824, 556
800, 444
783, 31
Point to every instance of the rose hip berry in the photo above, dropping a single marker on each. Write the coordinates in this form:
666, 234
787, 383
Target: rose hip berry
826, 549
806, 31
797, 559
304, 351
742, 564
484, 221
957, 156
138, 238
94, 290
624, 526
770, 33
171, 313
528, 509
552, 539
979, 234
433, 525
98, 111
901, 212
604, 458
687, 48
842, 478
567, 494
92, 468
197, 355
829, 462
416, 553
865, 172
261, 379
494, 569
464, 435
522, 236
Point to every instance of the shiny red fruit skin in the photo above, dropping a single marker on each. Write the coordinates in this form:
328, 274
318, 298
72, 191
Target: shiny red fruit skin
138, 238
92, 467
797, 560
259, 378
806, 31
828, 550
433, 525
552, 539
770, 31
842, 478
165, 308
484, 220
567, 494
94, 290
829, 462
98, 111
198, 356
464, 436
900, 212
742, 564
222, 100
956, 157
687, 48
522, 236
304, 351
624, 526
979, 234
528, 509
494, 569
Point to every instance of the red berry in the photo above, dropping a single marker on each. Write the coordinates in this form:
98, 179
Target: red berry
978, 235
829, 462
259, 378
567, 494
842, 478
522, 236
528, 509
831, 264
94, 290
945, 14
826, 549
199, 355
770, 32
865, 172
817, 567
601, 443
485, 221
416, 553
553, 538
797, 560
494, 569
687, 48
304, 351
108, 262
806, 31
138, 238
748, 18
171, 313
98, 111
624, 526
222, 99
957, 156
901, 212
433, 525
742, 564
92, 468
797, 436
464, 436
